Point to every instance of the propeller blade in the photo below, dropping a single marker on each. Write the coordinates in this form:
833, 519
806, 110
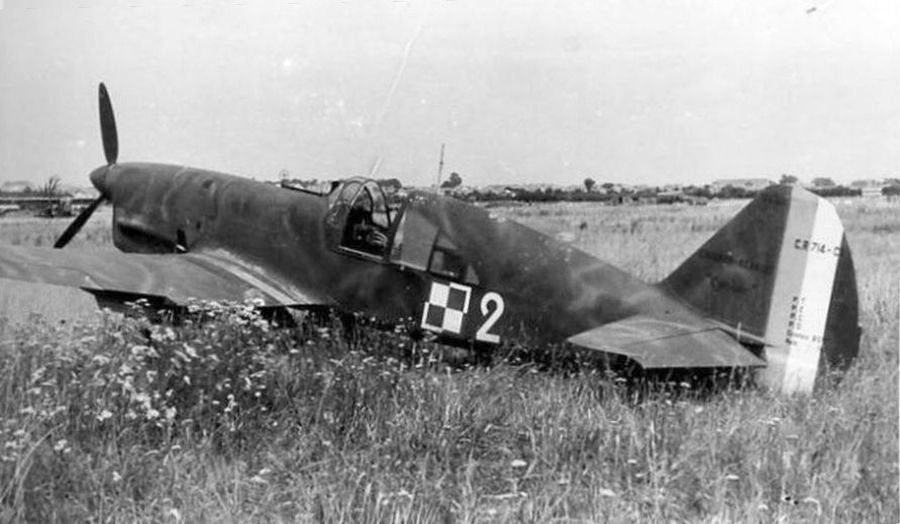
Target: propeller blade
77, 224
108, 127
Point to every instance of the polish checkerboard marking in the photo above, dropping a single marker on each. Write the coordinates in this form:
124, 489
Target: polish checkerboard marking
446, 308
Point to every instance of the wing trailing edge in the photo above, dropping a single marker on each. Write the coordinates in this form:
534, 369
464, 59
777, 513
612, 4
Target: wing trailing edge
655, 343
214, 276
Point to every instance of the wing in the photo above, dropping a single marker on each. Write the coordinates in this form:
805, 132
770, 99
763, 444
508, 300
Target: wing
655, 343
213, 275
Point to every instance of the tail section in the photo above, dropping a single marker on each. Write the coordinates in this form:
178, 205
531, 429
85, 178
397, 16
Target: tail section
781, 270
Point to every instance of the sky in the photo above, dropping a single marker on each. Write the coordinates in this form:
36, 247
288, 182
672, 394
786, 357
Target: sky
520, 91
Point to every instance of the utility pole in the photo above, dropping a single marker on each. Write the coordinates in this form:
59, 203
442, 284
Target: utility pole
437, 186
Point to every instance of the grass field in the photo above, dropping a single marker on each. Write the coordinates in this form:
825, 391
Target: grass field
228, 420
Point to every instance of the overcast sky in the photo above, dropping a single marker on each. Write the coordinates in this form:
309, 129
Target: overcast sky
639, 91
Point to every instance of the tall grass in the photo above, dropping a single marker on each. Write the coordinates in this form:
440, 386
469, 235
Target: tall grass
224, 418
34, 231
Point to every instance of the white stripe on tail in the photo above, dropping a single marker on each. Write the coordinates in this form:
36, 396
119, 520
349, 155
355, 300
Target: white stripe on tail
802, 294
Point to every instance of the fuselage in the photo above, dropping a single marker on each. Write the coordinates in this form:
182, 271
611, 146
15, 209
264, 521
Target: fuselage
513, 278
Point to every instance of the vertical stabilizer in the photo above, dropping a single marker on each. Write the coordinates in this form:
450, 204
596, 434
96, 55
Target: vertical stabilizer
780, 270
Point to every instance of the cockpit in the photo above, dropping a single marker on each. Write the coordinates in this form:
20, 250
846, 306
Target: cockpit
361, 223
359, 213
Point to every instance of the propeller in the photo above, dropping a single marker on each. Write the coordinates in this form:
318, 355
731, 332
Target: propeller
110, 151
77, 224
108, 127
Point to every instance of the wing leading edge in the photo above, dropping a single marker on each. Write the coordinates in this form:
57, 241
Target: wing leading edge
214, 275
655, 343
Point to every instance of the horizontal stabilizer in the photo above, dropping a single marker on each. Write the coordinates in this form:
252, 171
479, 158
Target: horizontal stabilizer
655, 343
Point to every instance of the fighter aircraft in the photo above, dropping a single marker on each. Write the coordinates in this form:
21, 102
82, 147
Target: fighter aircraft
774, 289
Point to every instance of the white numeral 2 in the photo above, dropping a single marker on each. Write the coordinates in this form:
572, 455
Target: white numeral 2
495, 313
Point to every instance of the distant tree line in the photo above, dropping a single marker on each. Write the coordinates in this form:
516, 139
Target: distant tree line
610, 193
50, 188
892, 187
836, 191
688, 194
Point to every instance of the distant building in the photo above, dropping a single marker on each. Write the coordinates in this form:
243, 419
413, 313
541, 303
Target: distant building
869, 188
871, 191
748, 184
458, 191
696, 200
531, 187
84, 193
670, 197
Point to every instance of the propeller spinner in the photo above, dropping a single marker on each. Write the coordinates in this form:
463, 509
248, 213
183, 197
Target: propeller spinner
110, 151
